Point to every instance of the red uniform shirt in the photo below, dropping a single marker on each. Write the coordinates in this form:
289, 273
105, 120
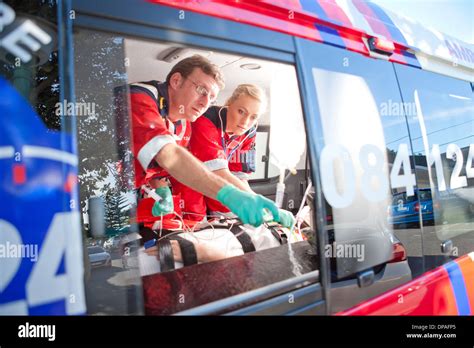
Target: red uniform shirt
152, 130
217, 150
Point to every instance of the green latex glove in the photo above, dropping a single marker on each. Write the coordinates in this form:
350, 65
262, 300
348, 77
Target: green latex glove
249, 207
165, 206
286, 218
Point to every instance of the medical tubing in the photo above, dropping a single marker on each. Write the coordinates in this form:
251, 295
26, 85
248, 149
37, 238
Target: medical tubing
152, 194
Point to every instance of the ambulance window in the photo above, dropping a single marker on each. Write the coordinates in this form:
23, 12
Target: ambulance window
280, 140
34, 74
442, 127
112, 280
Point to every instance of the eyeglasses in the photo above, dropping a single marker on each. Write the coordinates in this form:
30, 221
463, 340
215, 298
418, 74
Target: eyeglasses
202, 91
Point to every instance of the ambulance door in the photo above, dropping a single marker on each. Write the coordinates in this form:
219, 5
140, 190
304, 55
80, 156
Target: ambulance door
106, 173
442, 131
41, 257
362, 153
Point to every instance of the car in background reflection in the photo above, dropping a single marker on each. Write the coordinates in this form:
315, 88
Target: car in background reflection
98, 257
112, 243
405, 210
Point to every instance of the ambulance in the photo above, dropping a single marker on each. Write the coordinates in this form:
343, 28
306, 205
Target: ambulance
368, 139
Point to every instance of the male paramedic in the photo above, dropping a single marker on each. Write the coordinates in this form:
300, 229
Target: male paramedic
161, 116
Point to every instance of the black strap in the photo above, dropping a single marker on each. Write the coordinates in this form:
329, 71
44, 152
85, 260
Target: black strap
188, 251
279, 235
243, 238
165, 252
134, 89
146, 233
157, 84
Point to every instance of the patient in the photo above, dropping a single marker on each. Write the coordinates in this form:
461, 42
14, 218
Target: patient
204, 252
219, 242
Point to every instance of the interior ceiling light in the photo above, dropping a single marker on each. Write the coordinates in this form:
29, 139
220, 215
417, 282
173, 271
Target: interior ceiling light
250, 66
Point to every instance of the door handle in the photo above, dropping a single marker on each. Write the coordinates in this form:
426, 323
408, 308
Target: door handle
365, 278
447, 246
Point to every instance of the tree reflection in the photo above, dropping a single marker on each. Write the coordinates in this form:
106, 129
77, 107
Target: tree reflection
103, 136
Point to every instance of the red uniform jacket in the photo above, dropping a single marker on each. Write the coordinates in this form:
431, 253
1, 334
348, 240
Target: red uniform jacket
151, 131
210, 144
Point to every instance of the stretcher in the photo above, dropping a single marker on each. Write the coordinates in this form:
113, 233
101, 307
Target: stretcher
228, 237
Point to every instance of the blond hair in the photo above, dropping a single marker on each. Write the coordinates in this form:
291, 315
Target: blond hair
252, 91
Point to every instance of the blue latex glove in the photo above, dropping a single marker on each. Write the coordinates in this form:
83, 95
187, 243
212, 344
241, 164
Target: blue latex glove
249, 207
286, 218
165, 206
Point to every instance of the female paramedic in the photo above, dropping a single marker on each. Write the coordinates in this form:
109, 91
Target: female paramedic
224, 140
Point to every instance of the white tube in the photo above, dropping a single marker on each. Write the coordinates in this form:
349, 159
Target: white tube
152, 193
280, 191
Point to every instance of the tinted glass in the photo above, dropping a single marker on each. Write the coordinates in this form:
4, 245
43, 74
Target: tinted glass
365, 155
105, 171
442, 130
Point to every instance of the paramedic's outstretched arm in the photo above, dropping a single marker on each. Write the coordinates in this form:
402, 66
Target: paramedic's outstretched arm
286, 218
184, 167
231, 178
246, 184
